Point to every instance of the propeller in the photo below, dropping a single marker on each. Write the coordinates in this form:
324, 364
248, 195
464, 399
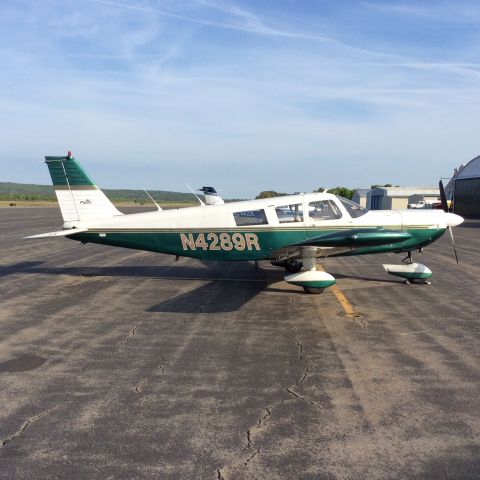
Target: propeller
443, 198
453, 243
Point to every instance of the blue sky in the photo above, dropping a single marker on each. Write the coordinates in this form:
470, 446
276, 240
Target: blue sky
243, 95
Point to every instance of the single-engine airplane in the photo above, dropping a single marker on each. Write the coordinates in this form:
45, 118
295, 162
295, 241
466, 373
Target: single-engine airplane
291, 231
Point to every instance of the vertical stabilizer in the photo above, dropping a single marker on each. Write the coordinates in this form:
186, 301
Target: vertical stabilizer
78, 196
211, 196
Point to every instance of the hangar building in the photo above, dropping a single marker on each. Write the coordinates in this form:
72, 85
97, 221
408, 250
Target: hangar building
392, 198
464, 189
360, 196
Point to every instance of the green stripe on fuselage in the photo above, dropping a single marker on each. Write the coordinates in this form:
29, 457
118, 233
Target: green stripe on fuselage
269, 241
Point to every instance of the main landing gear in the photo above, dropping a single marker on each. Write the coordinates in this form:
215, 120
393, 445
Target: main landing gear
307, 276
291, 266
411, 272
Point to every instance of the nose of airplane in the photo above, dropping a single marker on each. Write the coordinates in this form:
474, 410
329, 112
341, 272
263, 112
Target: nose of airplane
453, 219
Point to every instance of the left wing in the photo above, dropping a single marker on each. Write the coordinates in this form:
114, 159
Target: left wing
356, 238
342, 241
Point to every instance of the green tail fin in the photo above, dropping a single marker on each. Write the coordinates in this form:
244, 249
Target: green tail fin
78, 196
67, 171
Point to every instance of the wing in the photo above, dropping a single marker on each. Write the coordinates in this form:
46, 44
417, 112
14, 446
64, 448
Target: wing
357, 238
343, 241
61, 233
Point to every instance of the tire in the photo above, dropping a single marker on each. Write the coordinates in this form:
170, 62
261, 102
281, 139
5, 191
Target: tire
294, 267
314, 290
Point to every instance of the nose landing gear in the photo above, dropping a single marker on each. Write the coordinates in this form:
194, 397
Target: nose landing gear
412, 272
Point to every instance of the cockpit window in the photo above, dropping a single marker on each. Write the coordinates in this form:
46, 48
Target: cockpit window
324, 210
290, 213
354, 209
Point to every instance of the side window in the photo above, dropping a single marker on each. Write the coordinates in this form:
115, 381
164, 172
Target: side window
250, 217
323, 210
290, 213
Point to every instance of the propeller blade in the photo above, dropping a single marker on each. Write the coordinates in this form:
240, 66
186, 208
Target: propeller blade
443, 197
453, 243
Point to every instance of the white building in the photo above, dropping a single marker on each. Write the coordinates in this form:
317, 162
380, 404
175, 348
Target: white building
393, 198
360, 196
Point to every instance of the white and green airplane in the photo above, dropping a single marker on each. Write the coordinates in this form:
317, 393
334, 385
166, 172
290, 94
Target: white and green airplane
292, 231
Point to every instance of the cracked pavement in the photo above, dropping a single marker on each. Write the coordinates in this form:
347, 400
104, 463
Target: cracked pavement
123, 364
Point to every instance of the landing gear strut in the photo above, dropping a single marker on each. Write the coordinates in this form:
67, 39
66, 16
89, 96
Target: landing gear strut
408, 259
293, 266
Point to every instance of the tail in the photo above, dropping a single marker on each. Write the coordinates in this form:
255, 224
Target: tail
211, 196
78, 196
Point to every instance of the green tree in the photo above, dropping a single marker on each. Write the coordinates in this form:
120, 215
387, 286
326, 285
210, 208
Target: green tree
269, 194
340, 192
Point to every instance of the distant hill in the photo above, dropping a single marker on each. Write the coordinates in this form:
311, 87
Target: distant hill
30, 192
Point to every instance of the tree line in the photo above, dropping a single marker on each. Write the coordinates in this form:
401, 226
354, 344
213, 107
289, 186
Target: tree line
339, 191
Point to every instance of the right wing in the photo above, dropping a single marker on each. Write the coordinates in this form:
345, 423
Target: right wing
61, 233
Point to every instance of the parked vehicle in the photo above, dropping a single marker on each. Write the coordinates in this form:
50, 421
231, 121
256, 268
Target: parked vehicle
421, 204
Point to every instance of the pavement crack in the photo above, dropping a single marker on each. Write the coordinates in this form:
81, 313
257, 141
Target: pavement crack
296, 395
299, 347
265, 416
139, 386
262, 421
251, 457
22, 429
138, 390
358, 318
18, 432
305, 374
130, 334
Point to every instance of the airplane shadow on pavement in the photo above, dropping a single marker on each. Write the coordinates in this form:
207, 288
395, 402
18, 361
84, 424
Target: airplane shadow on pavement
162, 272
17, 268
226, 291
214, 297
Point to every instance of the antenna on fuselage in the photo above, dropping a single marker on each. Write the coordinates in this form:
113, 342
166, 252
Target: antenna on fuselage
151, 198
198, 198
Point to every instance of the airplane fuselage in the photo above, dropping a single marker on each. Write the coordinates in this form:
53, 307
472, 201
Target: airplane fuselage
261, 229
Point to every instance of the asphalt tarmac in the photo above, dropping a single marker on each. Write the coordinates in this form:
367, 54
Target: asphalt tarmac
123, 364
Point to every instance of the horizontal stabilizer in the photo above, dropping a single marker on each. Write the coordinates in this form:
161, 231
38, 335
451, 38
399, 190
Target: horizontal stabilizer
60, 233
357, 238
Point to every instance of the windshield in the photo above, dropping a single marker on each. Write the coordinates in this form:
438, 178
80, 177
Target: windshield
354, 209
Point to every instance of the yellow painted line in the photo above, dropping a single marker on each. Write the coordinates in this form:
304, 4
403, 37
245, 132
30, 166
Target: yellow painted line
342, 299
346, 305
